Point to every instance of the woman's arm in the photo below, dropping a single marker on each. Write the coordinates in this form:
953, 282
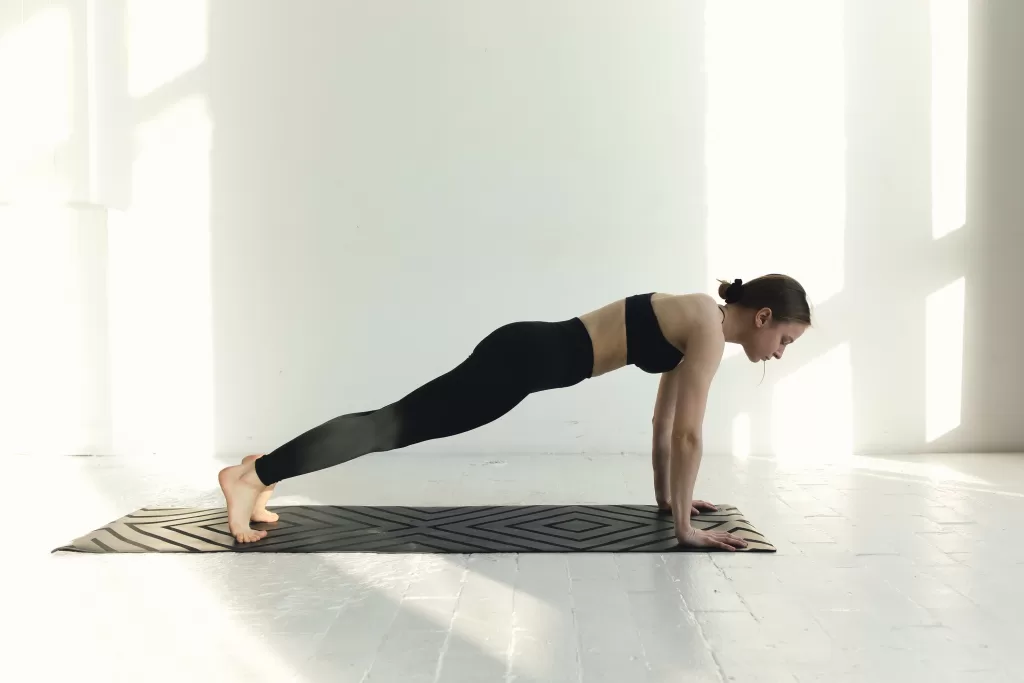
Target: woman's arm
661, 437
704, 351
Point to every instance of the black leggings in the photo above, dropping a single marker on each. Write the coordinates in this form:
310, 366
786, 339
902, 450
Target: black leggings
508, 365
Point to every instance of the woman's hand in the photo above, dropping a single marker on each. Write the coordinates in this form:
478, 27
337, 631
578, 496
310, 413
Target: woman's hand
699, 506
722, 540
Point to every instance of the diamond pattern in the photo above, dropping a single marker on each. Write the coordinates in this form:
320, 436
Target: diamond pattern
388, 529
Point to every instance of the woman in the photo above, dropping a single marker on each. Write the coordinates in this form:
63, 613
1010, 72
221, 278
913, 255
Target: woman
650, 331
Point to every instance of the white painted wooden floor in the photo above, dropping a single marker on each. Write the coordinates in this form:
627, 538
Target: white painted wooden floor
889, 569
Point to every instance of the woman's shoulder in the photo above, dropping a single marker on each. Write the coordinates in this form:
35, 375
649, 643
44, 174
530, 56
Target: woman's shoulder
684, 316
697, 307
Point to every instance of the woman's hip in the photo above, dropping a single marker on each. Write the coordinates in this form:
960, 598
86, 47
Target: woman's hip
545, 355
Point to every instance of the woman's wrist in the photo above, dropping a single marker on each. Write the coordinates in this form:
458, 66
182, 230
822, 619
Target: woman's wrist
681, 518
684, 463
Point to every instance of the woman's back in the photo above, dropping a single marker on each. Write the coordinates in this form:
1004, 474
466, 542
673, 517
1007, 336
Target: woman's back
677, 315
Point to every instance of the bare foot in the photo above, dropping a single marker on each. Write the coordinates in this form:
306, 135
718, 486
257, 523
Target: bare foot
241, 488
260, 513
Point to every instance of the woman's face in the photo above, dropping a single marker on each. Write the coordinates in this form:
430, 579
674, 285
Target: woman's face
769, 339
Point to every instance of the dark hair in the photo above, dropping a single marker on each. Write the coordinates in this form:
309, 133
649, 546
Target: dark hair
781, 293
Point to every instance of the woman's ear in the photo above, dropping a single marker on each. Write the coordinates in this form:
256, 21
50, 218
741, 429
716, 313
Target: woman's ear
763, 317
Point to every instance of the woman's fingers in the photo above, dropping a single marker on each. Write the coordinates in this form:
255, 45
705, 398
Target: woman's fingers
698, 506
732, 540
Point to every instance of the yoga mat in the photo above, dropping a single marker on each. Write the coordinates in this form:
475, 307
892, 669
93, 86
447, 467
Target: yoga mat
396, 529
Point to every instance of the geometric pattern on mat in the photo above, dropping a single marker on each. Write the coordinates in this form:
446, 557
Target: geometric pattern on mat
400, 529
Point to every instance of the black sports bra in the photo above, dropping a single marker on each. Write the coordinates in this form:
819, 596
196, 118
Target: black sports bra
646, 346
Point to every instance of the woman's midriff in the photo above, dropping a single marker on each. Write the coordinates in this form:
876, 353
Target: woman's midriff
607, 328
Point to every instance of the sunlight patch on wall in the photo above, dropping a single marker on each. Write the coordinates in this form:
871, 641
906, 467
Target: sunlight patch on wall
165, 40
812, 411
160, 290
36, 70
949, 115
944, 359
46, 406
741, 436
775, 142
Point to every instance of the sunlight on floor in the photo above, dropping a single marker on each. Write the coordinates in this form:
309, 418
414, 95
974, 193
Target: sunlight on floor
775, 142
189, 596
36, 69
935, 472
904, 536
439, 586
944, 359
164, 41
949, 115
812, 411
160, 300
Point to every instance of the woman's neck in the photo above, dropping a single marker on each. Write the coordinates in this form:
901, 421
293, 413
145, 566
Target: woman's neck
731, 324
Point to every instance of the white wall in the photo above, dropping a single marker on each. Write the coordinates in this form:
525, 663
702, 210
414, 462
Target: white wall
54, 371
301, 210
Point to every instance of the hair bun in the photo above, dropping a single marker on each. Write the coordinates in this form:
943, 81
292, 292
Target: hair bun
733, 292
